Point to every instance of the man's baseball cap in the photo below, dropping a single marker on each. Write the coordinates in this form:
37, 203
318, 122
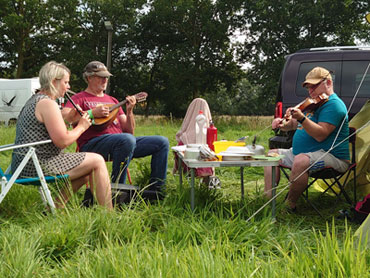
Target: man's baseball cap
316, 75
97, 68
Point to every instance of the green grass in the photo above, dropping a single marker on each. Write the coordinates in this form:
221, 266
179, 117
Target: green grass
168, 239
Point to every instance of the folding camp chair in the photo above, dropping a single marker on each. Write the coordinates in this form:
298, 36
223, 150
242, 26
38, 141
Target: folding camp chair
334, 179
8, 179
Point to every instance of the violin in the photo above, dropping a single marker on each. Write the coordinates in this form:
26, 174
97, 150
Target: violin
307, 105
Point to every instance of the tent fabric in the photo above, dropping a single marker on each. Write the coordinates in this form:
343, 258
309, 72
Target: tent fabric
361, 119
363, 149
363, 233
363, 167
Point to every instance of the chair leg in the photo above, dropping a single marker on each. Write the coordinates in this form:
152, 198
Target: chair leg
129, 176
43, 197
47, 195
342, 191
305, 196
44, 185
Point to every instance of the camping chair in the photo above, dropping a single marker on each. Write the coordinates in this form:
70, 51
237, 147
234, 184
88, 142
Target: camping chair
332, 178
8, 179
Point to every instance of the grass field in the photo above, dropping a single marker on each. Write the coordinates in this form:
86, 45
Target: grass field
167, 239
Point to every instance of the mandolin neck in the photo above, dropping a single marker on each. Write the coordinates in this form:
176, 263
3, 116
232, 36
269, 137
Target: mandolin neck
111, 108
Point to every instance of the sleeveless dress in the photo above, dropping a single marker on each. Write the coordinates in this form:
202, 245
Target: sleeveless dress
53, 160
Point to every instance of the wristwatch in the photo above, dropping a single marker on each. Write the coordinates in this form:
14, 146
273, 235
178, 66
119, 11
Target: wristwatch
302, 120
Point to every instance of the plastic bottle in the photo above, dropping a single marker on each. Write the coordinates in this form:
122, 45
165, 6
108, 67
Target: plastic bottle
211, 135
200, 129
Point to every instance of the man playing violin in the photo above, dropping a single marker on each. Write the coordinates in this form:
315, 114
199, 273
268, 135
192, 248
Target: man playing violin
116, 141
316, 133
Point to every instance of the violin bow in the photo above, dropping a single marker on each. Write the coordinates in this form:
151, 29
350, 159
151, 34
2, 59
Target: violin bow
71, 101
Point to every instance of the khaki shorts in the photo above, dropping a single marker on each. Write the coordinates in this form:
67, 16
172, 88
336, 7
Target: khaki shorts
318, 160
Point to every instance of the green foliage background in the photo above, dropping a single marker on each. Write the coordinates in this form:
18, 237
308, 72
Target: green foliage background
177, 50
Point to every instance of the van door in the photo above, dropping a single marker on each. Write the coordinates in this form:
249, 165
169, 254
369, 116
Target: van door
355, 84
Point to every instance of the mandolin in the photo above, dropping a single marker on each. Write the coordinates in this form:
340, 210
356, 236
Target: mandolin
101, 123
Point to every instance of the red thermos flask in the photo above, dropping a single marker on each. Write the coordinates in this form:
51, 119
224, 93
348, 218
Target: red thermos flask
211, 135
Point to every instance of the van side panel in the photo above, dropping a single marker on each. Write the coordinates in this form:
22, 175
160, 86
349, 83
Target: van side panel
347, 66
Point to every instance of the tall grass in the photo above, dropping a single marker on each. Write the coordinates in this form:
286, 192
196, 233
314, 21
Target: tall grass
167, 239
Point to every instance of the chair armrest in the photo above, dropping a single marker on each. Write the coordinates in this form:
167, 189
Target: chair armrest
14, 146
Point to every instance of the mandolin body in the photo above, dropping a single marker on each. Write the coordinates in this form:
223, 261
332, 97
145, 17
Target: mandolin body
102, 123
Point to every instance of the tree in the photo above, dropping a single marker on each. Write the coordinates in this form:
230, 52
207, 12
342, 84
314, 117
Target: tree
22, 22
185, 48
274, 29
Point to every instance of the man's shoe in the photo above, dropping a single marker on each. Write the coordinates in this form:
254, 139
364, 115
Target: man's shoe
152, 195
121, 197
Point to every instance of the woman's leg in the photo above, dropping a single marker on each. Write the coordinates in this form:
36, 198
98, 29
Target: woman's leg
93, 166
64, 195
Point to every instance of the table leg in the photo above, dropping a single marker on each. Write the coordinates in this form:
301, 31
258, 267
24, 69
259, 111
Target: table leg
192, 170
273, 183
242, 181
180, 170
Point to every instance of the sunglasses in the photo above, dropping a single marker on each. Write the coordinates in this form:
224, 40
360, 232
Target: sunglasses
314, 87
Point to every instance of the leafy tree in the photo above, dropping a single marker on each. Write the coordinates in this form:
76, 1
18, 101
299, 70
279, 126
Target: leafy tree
244, 102
274, 29
176, 49
22, 23
185, 45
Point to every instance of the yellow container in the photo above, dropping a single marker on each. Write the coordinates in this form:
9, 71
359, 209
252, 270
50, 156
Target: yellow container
221, 146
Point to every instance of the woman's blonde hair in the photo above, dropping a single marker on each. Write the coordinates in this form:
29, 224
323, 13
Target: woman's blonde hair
49, 72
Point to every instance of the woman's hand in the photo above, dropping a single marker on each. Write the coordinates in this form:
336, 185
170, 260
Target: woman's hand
72, 116
84, 121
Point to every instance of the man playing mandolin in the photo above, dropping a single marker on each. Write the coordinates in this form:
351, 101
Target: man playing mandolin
115, 140
315, 134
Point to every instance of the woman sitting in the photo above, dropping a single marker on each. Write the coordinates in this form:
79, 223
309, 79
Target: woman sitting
41, 119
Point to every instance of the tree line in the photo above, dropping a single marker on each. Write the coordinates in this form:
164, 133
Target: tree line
177, 50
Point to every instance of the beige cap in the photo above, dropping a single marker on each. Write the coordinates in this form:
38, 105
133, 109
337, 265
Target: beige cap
97, 68
316, 75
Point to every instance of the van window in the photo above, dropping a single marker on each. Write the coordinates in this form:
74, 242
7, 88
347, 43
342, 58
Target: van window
334, 66
353, 72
